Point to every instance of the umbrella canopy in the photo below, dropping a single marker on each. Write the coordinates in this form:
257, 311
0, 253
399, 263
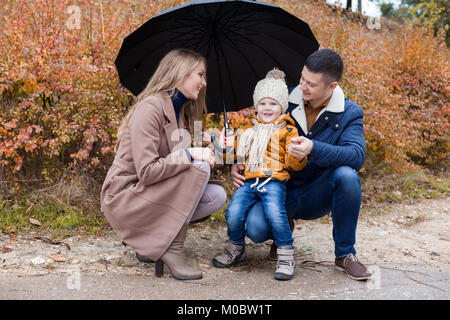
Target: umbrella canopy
241, 41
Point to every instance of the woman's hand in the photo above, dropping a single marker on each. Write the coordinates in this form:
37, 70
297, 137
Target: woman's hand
238, 179
203, 154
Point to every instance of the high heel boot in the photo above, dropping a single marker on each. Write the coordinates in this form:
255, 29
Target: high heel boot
176, 260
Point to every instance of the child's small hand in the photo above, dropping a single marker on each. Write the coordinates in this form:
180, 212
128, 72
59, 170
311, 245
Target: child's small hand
238, 178
229, 141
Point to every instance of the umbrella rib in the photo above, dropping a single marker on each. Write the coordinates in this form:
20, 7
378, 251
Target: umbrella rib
312, 38
248, 41
228, 75
248, 15
195, 36
176, 39
195, 17
242, 54
192, 34
194, 43
182, 26
274, 59
234, 15
243, 17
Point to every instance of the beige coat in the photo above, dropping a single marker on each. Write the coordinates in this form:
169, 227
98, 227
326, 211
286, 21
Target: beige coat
151, 187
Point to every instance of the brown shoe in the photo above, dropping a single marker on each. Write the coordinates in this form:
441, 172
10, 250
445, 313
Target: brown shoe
351, 265
273, 248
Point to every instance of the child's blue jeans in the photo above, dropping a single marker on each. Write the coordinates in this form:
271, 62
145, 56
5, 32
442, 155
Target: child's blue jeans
337, 190
273, 200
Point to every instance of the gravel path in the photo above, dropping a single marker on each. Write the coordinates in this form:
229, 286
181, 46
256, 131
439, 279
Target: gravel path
407, 240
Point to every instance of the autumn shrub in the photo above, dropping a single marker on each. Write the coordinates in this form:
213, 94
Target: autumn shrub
399, 77
61, 100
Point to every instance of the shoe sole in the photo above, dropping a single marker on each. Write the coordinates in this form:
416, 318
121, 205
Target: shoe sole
144, 259
185, 278
283, 276
159, 268
352, 277
159, 271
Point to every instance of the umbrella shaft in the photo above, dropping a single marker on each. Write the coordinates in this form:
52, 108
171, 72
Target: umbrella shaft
221, 87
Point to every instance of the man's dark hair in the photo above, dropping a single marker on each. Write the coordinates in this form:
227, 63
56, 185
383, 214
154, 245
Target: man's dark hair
327, 62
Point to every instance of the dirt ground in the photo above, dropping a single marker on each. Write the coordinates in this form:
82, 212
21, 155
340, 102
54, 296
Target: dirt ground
415, 234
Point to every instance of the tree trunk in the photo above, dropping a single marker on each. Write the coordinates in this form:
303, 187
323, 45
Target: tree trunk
349, 5
360, 6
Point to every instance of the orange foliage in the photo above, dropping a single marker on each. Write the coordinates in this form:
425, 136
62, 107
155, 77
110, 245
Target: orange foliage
61, 100
400, 78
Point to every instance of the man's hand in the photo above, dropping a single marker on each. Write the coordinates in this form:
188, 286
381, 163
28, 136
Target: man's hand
300, 147
238, 179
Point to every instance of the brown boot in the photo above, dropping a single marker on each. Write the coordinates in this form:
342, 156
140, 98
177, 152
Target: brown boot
176, 260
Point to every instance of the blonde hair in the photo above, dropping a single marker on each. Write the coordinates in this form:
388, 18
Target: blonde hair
173, 68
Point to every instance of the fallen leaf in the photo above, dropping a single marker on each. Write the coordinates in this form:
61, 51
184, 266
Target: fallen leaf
35, 222
6, 249
29, 208
57, 258
10, 230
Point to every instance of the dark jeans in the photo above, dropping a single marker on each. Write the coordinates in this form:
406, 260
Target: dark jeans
337, 190
274, 213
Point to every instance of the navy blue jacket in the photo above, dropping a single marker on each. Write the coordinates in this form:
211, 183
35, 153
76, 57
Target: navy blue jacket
337, 134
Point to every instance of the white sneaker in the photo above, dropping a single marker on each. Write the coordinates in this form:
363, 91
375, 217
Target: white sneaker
285, 264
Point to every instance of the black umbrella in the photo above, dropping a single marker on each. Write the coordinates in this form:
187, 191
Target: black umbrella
241, 41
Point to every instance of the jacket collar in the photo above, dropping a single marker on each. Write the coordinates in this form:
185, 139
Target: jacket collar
335, 105
169, 110
171, 129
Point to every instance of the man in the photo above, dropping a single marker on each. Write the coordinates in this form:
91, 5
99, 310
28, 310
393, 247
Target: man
332, 137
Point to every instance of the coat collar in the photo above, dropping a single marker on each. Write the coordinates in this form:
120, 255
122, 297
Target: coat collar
168, 107
335, 105
169, 110
171, 129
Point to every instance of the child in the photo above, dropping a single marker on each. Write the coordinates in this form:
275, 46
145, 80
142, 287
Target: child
264, 147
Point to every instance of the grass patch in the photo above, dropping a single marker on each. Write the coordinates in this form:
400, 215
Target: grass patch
219, 216
73, 205
69, 206
408, 186
48, 215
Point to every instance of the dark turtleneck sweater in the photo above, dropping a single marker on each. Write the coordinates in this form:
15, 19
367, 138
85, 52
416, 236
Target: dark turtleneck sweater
178, 99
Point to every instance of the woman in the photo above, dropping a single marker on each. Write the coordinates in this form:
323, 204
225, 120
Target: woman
157, 184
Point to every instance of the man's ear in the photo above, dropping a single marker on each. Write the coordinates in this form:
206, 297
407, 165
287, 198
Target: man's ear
333, 85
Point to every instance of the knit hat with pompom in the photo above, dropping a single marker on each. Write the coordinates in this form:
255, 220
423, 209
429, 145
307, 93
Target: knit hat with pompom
272, 86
